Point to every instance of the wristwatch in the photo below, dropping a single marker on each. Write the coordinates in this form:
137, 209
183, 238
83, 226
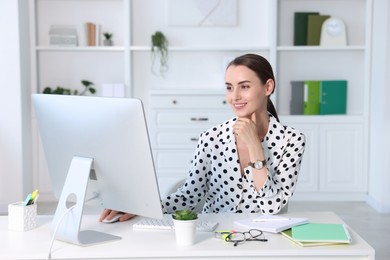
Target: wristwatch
257, 164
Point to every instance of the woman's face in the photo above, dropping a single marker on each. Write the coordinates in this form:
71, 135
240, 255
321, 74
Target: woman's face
245, 92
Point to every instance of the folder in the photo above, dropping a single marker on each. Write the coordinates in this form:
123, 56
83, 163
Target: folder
321, 232
300, 27
333, 99
311, 98
297, 95
314, 28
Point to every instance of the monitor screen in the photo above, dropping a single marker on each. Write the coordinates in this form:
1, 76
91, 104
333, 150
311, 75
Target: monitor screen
98, 144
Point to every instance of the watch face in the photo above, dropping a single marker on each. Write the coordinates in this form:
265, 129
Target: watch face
334, 26
258, 164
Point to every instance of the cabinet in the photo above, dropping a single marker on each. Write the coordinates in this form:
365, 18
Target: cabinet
332, 168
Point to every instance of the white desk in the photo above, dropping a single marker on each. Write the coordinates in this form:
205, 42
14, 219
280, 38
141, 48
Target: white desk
147, 244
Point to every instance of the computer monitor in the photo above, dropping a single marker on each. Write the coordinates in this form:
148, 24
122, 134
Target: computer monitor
98, 144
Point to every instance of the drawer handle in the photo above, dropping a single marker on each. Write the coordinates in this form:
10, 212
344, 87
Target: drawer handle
174, 102
199, 119
224, 102
194, 139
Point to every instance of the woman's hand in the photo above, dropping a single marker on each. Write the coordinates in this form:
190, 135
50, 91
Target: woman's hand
245, 129
109, 214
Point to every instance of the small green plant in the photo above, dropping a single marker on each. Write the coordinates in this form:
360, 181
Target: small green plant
66, 91
107, 35
160, 51
185, 214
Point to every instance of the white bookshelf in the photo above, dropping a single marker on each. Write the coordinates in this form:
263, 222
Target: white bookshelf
197, 56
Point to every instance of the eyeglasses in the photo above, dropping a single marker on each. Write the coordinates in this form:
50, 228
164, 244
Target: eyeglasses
241, 237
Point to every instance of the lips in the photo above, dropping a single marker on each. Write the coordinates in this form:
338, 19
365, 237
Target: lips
239, 105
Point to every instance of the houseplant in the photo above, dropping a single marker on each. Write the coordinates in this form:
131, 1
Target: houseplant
185, 226
107, 39
88, 86
160, 51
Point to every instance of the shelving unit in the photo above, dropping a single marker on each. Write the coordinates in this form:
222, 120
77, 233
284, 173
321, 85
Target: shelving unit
332, 168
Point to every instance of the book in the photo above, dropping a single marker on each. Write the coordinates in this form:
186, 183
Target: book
321, 232
314, 28
272, 224
333, 99
300, 27
311, 98
297, 101
288, 233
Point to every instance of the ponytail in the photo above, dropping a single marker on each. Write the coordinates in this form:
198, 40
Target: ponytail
271, 109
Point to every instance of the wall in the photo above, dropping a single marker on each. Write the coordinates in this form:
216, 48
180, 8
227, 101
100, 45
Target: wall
15, 150
379, 192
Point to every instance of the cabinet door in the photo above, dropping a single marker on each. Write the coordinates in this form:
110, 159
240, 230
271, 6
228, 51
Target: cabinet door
343, 158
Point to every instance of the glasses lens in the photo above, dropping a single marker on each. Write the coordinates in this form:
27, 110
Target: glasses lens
255, 233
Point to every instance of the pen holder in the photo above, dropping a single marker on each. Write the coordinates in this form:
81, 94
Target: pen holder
22, 218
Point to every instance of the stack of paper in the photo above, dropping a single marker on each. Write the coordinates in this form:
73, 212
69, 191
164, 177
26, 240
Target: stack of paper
272, 224
315, 234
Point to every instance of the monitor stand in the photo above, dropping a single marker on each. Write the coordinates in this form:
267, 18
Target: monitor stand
69, 220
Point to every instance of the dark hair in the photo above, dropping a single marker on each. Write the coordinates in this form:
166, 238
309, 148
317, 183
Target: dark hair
263, 70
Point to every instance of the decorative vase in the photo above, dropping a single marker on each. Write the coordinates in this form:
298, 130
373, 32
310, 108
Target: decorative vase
185, 232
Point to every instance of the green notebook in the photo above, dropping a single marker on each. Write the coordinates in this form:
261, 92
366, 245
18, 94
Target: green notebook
300, 27
314, 27
288, 233
311, 98
321, 232
333, 99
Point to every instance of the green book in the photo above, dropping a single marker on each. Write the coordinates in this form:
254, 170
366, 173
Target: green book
321, 232
288, 233
333, 99
311, 98
314, 27
300, 27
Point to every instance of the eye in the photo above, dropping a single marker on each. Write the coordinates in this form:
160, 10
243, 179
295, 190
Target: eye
229, 88
245, 86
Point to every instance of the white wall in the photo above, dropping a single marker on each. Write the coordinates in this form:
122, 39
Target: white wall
379, 172
15, 180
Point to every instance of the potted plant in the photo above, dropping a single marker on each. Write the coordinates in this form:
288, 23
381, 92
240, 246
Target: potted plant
185, 226
160, 51
107, 39
66, 91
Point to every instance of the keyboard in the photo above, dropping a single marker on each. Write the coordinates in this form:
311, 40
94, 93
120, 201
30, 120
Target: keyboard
167, 224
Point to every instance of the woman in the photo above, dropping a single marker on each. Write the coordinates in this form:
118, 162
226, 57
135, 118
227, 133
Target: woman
249, 163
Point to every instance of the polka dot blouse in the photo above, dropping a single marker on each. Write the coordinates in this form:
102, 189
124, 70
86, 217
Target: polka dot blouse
215, 175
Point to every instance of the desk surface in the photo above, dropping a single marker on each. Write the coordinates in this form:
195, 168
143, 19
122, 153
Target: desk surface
152, 244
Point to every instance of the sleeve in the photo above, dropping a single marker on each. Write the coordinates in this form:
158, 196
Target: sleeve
195, 187
278, 189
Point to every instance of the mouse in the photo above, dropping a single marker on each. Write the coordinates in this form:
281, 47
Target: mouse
113, 219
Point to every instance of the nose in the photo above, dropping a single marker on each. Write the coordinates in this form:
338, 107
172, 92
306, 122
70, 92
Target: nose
236, 94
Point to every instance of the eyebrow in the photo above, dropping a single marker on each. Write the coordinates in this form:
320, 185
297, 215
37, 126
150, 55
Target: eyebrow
239, 83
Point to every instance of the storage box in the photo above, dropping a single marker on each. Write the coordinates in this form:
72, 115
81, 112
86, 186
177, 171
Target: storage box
22, 218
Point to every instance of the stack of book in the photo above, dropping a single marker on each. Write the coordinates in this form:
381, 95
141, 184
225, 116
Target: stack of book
316, 234
307, 27
315, 97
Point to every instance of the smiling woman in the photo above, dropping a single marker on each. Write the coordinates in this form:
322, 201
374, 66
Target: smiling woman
249, 163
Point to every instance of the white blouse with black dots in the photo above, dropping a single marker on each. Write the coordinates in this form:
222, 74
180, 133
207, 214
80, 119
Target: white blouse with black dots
215, 173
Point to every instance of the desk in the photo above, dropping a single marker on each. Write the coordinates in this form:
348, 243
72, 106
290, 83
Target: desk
152, 244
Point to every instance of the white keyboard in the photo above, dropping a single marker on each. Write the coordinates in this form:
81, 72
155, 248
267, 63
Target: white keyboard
166, 224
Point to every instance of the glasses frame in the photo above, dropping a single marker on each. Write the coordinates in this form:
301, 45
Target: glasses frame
249, 235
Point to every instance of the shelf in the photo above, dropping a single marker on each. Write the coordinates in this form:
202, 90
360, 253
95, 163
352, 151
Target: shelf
320, 48
205, 48
81, 49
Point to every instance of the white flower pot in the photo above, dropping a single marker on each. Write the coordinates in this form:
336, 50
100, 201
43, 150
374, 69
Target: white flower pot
185, 231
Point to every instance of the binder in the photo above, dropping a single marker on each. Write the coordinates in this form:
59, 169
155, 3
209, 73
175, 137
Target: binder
311, 98
297, 95
321, 232
333, 99
314, 28
300, 27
